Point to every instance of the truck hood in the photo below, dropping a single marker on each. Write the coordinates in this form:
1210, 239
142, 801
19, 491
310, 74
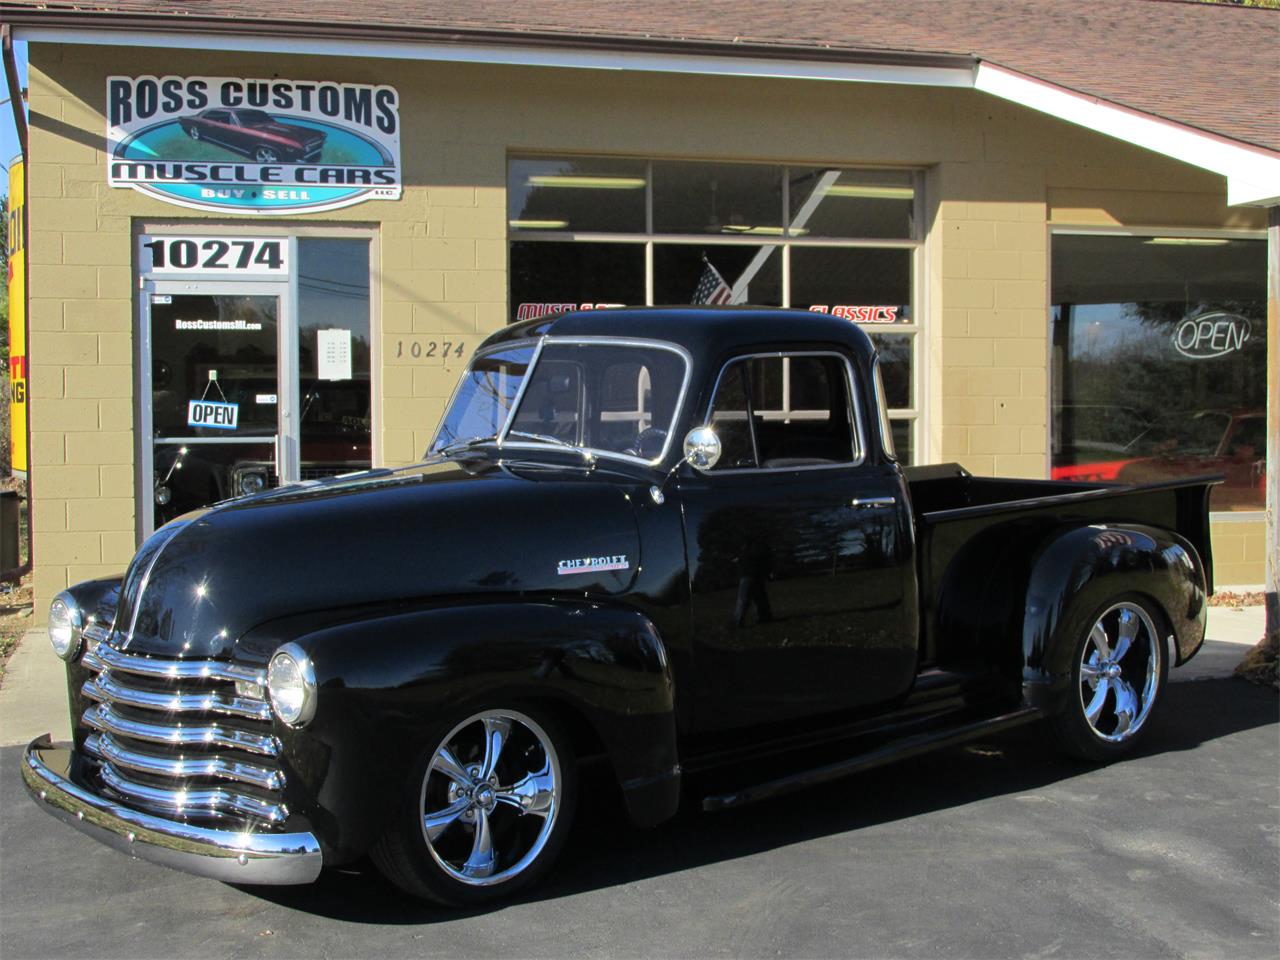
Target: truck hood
444, 529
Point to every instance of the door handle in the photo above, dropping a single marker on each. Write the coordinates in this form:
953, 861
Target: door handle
872, 503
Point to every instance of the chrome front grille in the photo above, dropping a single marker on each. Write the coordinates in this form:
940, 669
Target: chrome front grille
176, 737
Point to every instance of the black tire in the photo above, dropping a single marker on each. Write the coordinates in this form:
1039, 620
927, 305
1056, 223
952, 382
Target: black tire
450, 868
265, 155
1105, 725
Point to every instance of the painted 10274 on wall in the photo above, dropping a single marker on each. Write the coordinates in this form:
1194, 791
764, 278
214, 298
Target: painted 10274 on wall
626, 545
428, 349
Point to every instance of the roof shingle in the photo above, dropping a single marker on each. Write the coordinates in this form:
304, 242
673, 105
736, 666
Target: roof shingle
1210, 66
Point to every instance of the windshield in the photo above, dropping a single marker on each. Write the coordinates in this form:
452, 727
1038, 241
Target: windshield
484, 397
608, 397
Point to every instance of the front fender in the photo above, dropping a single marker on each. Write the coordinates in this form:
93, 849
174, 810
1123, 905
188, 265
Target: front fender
1078, 571
385, 681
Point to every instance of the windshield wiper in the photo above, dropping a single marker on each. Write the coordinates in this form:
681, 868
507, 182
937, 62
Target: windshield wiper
586, 455
457, 446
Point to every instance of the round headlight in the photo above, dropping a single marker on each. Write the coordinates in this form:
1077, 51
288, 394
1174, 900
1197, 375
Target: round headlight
252, 483
163, 495
291, 682
65, 624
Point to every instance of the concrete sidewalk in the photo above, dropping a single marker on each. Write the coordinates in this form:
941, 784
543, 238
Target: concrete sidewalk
33, 699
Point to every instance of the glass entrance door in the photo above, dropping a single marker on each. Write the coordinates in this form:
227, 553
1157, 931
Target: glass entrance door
216, 413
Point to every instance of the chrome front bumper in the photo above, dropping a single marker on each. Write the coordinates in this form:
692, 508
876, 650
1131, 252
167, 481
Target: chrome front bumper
274, 858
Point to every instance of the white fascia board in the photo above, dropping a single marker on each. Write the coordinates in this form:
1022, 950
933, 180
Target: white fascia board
1253, 173
1246, 193
534, 56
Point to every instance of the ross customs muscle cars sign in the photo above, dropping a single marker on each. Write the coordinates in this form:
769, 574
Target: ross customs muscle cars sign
253, 146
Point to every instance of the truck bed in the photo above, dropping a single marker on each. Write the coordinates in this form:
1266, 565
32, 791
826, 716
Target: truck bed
970, 529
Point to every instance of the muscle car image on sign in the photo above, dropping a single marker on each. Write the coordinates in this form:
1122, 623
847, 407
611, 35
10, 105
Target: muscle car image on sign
255, 134
675, 544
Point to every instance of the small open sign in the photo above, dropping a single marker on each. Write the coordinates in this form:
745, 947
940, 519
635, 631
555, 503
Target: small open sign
209, 413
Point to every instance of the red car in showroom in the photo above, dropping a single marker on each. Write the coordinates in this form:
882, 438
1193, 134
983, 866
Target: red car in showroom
256, 134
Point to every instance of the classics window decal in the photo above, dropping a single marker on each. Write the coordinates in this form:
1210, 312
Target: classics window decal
253, 146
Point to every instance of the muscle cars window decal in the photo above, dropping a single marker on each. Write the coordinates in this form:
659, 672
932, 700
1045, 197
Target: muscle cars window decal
261, 146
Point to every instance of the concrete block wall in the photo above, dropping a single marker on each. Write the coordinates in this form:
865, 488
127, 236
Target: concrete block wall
1239, 553
444, 290
81, 377
989, 338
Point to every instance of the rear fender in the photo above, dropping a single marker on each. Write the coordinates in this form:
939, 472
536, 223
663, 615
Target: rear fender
1077, 572
385, 681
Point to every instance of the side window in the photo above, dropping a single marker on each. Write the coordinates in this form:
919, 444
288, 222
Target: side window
784, 411
218, 116
730, 418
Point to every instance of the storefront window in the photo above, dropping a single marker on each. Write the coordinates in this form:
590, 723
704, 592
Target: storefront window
554, 277
692, 273
741, 199
852, 203
333, 305
585, 194
1159, 361
596, 232
861, 284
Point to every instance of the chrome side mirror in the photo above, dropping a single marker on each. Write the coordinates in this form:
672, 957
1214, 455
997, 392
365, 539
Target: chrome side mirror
702, 447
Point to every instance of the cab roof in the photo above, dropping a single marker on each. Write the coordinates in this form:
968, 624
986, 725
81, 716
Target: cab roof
706, 332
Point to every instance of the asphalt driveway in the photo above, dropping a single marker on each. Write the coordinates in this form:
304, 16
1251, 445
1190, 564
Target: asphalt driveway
991, 850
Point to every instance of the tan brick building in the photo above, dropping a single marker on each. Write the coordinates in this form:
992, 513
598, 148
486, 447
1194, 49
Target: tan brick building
1065, 266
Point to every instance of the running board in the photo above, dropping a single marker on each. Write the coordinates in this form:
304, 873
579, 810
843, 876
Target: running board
898, 750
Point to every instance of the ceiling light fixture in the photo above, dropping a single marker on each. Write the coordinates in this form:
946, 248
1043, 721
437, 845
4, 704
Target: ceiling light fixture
1188, 241
870, 191
586, 183
538, 224
743, 229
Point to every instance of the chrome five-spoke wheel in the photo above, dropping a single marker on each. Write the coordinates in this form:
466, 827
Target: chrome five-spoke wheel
1118, 676
489, 808
490, 797
1120, 672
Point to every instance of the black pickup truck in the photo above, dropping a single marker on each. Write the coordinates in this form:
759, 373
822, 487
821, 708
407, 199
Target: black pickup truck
675, 542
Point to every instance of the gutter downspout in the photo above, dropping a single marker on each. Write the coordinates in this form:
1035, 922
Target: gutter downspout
1271, 638
20, 124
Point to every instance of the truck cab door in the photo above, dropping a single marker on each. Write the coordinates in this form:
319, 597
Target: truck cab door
800, 551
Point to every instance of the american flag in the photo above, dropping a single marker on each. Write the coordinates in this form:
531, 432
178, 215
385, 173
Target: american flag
711, 287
